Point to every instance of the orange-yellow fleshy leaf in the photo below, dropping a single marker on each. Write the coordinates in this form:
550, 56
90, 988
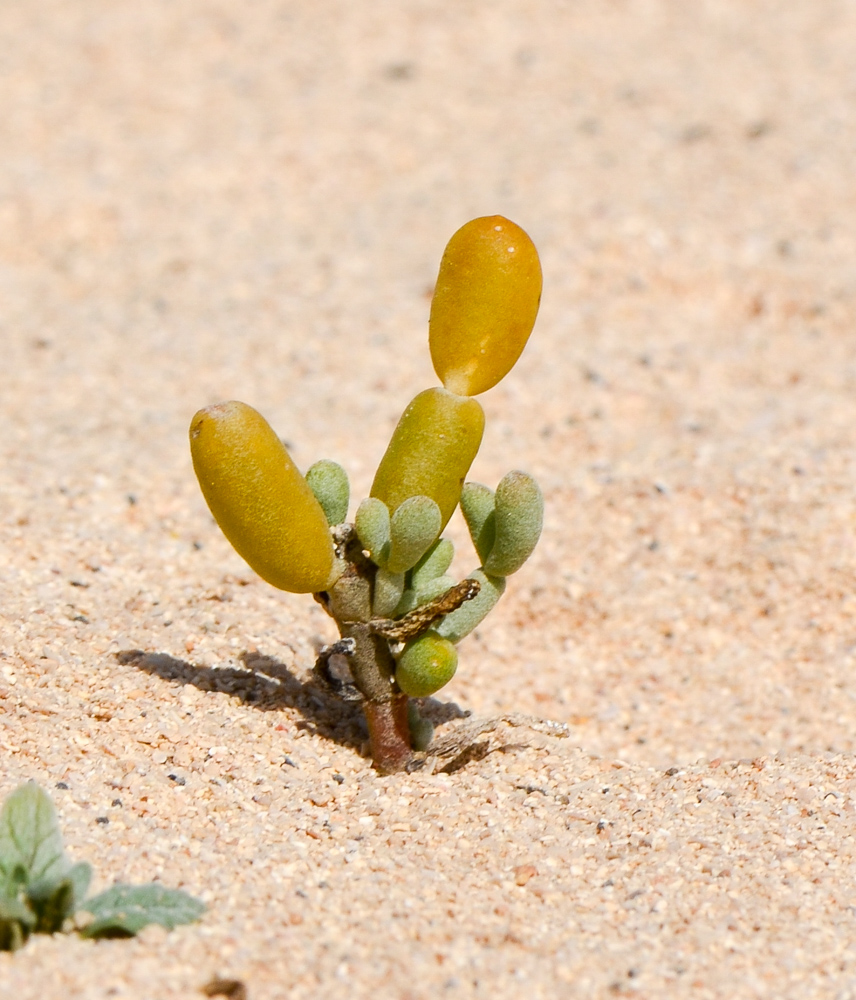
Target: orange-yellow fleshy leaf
485, 303
431, 451
262, 503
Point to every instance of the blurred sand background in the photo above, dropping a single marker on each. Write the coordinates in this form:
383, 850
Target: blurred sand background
203, 200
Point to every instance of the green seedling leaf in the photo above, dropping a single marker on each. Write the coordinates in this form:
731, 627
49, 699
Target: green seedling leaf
485, 303
372, 524
14, 883
388, 588
80, 875
51, 903
434, 563
519, 516
30, 838
260, 500
124, 910
425, 665
329, 482
414, 526
431, 451
462, 621
16, 923
477, 506
53, 900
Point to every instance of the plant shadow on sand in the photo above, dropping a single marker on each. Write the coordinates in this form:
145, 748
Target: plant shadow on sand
265, 683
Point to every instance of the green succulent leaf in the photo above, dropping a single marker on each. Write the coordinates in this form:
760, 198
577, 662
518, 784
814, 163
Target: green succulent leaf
413, 528
431, 451
408, 602
434, 563
468, 616
373, 529
421, 730
329, 482
519, 517
425, 665
124, 910
477, 506
30, 838
388, 589
413, 598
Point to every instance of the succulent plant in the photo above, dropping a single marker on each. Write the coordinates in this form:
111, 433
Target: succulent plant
383, 578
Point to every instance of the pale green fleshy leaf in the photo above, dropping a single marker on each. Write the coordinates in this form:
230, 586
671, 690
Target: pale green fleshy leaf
373, 530
469, 615
329, 482
519, 517
388, 589
477, 506
414, 527
421, 730
434, 563
425, 665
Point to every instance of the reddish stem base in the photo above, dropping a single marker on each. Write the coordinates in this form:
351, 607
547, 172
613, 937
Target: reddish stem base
389, 733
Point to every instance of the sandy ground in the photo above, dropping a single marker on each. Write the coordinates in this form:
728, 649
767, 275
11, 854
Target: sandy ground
208, 200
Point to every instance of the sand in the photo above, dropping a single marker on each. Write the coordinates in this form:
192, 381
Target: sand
210, 200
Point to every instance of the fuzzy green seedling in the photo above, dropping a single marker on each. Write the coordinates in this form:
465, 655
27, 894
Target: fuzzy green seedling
42, 892
384, 578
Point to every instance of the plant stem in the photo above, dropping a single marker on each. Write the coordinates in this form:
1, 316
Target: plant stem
371, 661
389, 733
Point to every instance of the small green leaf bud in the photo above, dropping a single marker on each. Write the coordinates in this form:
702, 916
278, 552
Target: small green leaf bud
434, 563
431, 451
372, 524
414, 526
329, 482
461, 622
477, 506
485, 303
425, 665
519, 517
259, 498
421, 730
388, 590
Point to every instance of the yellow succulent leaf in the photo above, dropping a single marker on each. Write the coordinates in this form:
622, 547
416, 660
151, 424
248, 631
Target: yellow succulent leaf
485, 303
431, 451
262, 503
